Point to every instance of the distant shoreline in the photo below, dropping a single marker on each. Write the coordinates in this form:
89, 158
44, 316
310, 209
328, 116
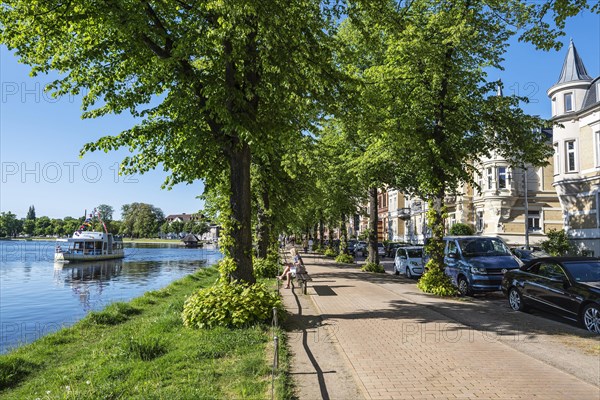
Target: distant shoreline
125, 240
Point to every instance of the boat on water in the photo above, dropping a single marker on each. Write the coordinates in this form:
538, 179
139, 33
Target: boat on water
89, 246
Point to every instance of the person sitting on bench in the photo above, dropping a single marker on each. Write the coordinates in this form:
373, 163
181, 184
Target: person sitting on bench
292, 269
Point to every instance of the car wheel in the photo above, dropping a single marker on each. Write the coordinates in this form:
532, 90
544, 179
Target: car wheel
408, 273
591, 318
515, 300
396, 271
463, 287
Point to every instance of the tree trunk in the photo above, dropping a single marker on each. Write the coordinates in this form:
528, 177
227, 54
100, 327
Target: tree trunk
264, 225
343, 236
321, 233
241, 247
373, 220
436, 241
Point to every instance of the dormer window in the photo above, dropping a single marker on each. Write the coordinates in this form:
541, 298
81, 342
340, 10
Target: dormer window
568, 102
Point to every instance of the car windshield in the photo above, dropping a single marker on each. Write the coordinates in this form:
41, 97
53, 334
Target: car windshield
584, 271
483, 247
415, 253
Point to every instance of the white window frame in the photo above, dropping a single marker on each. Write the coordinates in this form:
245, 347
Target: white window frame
503, 175
597, 144
571, 98
532, 217
480, 180
490, 178
568, 153
556, 158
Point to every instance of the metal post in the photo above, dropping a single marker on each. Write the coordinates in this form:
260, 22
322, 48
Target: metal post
526, 210
275, 322
276, 357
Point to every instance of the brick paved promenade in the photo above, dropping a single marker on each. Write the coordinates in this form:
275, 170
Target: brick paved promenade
396, 347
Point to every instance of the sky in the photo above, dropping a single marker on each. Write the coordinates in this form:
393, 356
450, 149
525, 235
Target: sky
40, 137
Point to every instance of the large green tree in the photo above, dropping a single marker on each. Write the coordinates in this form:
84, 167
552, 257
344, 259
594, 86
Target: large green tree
212, 81
141, 220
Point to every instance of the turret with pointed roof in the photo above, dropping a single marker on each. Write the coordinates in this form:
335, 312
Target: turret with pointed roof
573, 83
573, 68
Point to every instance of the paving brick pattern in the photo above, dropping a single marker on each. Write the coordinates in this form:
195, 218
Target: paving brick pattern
400, 349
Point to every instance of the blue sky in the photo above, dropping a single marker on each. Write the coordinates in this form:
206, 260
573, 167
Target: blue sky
40, 137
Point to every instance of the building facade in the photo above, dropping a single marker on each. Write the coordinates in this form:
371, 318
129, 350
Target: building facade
575, 100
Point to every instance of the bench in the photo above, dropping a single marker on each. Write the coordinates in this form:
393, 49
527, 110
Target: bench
303, 279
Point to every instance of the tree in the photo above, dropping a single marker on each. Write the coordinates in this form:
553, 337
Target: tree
557, 243
31, 213
214, 76
141, 220
9, 224
41, 226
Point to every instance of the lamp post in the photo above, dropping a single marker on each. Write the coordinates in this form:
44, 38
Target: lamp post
526, 209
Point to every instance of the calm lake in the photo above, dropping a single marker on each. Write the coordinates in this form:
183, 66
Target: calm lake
38, 296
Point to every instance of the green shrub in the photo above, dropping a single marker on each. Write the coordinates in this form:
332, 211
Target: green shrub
265, 268
230, 305
145, 348
329, 252
557, 243
372, 267
460, 229
344, 259
435, 281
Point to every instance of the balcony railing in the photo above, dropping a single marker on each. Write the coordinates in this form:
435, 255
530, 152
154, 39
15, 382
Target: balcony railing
404, 213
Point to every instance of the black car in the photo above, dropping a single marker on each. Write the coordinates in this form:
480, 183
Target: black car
528, 255
567, 286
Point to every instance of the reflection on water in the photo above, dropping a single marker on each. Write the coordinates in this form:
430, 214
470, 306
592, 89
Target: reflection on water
38, 296
83, 278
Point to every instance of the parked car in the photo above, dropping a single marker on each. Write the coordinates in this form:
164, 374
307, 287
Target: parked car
390, 249
381, 250
567, 286
351, 246
409, 260
528, 255
477, 264
360, 248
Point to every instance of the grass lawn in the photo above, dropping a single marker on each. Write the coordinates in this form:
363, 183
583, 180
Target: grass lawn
141, 350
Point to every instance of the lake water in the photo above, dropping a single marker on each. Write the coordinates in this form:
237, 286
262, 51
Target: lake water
38, 296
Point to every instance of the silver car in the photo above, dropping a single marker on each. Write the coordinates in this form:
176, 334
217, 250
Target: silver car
409, 261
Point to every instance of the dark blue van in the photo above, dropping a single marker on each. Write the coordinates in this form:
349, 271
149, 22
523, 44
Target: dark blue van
477, 263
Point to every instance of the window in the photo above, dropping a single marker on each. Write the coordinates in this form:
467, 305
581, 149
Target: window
490, 175
533, 221
550, 270
556, 159
554, 106
479, 221
452, 248
570, 156
568, 102
502, 178
598, 147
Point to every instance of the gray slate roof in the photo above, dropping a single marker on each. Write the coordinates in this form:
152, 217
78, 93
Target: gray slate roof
573, 68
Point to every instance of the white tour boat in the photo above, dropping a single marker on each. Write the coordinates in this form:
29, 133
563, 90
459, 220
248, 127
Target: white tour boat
89, 246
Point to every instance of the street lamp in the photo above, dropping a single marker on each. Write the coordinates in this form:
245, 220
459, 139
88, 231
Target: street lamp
526, 208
